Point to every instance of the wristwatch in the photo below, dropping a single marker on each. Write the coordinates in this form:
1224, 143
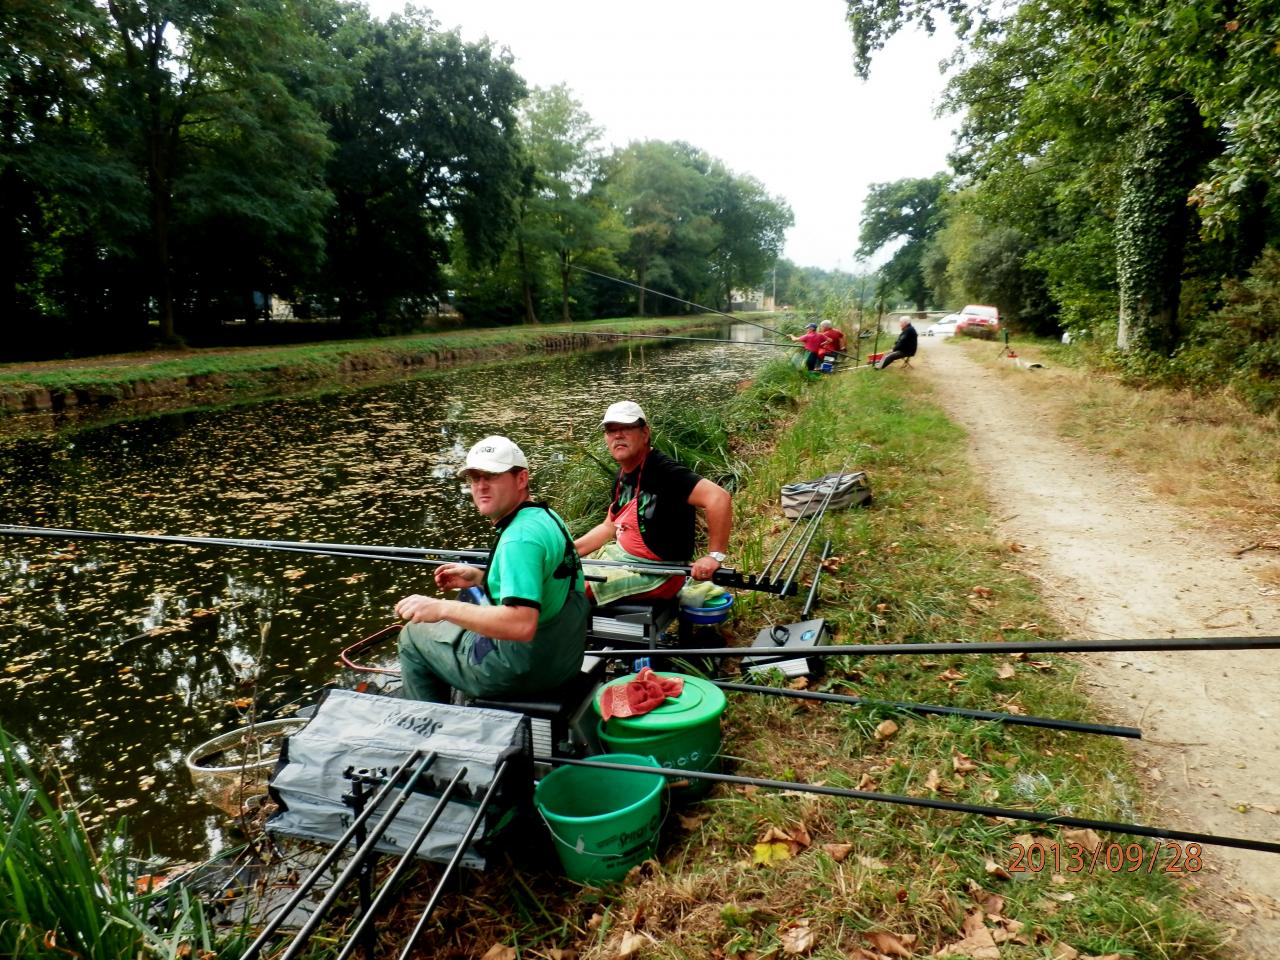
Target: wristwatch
717, 556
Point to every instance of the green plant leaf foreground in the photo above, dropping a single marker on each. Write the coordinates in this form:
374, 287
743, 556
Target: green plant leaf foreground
921, 565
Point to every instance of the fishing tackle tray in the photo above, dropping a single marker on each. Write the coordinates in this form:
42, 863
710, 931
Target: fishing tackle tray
369, 732
807, 497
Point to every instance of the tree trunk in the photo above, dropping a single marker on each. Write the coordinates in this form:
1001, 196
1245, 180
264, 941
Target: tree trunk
564, 287
1152, 224
642, 274
526, 288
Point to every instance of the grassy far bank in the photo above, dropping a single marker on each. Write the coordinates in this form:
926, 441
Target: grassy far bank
751, 873
316, 359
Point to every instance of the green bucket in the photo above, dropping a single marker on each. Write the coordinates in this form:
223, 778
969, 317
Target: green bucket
604, 822
682, 734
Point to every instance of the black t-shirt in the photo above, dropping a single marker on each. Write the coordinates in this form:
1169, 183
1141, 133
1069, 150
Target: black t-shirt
666, 518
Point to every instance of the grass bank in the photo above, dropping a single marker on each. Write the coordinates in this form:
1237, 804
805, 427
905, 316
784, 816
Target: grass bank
217, 375
750, 873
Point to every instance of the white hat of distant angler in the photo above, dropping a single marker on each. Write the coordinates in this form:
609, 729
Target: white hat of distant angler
626, 412
494, 455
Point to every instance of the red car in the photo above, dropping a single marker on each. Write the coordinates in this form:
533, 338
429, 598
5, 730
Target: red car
977, 320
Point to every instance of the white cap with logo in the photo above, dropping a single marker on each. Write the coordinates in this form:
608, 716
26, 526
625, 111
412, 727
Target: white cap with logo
624, 411
494, 455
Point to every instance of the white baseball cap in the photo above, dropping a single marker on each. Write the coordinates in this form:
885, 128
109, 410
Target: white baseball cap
624, 411
494, 455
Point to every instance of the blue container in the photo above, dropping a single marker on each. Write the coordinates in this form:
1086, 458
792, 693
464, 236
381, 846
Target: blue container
715, 612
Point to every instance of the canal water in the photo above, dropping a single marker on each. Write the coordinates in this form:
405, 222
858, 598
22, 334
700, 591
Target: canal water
121, 657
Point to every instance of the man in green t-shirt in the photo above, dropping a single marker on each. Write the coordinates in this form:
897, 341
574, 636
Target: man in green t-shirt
526, 633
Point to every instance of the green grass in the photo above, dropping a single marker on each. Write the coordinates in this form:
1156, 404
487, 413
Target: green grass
65, 893
312, 360
906, 570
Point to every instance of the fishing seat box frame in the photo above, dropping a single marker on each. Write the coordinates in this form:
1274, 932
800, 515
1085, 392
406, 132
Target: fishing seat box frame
561, 721
640, 622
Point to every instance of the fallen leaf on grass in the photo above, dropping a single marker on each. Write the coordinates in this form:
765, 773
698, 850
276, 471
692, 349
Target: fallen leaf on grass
866, 782
962, 763
871, 863
951, 675
886, 730
1063, 952
933, 781
995, 870
1006, 671
767, 854
837, 851
983, 592
692, 823
500, 951
797, 938
1086, 838
631, 943
977, 943
890, 944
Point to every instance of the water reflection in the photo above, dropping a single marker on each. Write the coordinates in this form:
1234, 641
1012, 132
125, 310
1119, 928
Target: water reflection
123, 656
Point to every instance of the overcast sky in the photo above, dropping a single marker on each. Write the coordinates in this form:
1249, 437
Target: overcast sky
767, 86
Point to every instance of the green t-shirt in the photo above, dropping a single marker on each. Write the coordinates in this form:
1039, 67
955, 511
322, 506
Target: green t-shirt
532, 548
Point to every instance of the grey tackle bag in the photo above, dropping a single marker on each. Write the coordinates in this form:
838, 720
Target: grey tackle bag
807, 497
361, 730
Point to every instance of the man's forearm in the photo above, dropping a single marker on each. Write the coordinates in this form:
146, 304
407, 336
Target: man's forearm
595, 538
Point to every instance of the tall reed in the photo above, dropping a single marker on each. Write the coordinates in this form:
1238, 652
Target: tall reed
61, 895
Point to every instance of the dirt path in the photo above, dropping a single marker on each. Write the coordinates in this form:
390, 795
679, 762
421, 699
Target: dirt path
1115, 561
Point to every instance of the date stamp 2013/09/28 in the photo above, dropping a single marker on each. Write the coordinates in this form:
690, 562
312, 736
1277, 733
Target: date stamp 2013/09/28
1168, 856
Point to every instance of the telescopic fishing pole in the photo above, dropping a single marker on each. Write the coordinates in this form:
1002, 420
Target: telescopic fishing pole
1007, 813
1165, 644
659, 336
669, 296
725, 576
332, 854
930, 709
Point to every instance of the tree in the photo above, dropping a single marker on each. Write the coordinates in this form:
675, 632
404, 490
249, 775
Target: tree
1164, 103
565, 217
906, 211
752, 228
425, 139
200, 97
663, 199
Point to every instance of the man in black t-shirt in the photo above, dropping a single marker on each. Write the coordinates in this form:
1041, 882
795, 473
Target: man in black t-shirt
651, 517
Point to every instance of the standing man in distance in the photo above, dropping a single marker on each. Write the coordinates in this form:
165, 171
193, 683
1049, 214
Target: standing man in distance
528, 630
904, 346
652, 514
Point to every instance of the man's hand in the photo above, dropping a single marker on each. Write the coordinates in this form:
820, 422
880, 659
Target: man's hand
704, 568
420, 609
456, 576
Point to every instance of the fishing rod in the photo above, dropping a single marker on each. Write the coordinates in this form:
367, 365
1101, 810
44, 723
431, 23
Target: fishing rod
1007, 813
930, 709
451, 867
817, 573
669, 296
659, 336
725, 576
1167, 644
357, 825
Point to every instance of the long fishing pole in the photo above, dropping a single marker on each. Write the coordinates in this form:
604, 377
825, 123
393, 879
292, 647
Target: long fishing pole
725, 576
669, 296
1167, 644
659, 336
930, 709
1028, 816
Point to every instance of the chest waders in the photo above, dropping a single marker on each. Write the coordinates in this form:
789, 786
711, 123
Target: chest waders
437, 656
